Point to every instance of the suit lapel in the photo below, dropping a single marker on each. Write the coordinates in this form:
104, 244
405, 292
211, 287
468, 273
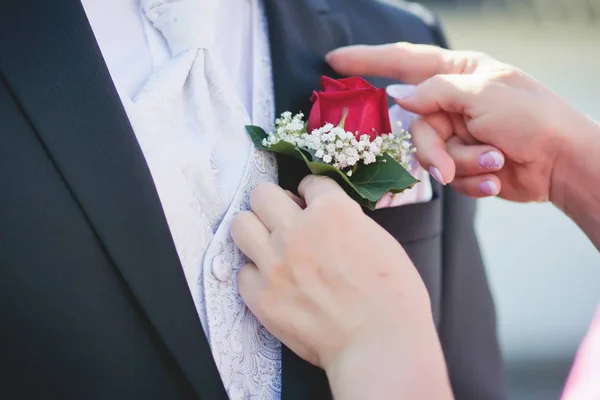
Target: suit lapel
301, 33
49, 56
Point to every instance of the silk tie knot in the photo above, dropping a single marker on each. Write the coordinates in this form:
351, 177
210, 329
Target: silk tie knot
185, 24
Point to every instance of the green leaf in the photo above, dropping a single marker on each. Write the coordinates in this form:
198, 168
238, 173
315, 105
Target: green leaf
373, 181
368, 183
257, 134
320, 168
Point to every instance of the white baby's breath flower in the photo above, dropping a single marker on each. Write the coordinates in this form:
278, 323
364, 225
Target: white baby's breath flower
338, 147
369, 158
374, 147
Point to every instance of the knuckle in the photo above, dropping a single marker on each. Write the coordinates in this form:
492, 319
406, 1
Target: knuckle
483, 85
334, 207
277, 277
435, 81
291, 242
318, 179
507, 73
327, 203
295, 248
497, 72
261, 192
477, 56
239, 221
469, 61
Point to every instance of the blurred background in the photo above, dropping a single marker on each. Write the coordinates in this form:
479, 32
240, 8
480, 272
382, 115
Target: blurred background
544, 273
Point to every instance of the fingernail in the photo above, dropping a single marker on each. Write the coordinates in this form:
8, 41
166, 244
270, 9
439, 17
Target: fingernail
488, 188
436, 174
491, 160
400, 91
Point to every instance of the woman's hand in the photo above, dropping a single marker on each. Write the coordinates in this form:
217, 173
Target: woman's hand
485, 126
340, 292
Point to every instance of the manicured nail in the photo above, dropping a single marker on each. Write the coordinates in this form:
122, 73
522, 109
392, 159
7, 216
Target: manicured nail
488, 188
399, 91
491, 160
436, 174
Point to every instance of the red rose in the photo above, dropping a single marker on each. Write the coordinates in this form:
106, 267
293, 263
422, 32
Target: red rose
366, 104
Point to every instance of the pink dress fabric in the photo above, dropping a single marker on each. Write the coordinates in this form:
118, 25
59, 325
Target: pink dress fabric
584, 379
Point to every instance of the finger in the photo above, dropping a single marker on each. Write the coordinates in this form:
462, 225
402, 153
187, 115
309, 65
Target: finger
296, 199
251, 287
273, 206
449, 93
410, 63
252, 238
474, 159
460, 128
478, 186
312, 187
431, 146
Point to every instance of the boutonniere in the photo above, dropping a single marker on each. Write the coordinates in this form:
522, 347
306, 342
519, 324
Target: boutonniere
347, 137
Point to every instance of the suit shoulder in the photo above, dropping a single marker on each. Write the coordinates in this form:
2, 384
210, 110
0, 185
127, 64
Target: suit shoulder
410, 9
416, 13
407, 9
390, 20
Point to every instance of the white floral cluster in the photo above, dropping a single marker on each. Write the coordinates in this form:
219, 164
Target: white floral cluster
338, 147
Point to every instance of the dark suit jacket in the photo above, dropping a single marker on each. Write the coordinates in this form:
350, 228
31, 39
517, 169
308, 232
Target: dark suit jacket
93, 301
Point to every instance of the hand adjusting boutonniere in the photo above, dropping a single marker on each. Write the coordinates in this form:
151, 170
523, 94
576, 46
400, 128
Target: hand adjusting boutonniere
347, 137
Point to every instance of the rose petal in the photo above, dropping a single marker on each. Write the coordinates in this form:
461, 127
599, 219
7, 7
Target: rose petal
314, 117
367, 106
360, 105
356, 82
332, 85
338, 85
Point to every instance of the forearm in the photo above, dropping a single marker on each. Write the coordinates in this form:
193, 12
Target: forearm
408, 366
576, 179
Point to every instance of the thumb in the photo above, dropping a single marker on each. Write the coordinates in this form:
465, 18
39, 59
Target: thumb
449, 93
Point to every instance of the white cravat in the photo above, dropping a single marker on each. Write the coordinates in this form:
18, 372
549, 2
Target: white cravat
202, 83
194, 79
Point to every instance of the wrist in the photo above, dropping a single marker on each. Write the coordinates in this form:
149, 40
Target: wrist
392, 363
575, 182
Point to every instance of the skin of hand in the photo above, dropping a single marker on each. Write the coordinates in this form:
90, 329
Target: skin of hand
470, 105
490, 129
340, 292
